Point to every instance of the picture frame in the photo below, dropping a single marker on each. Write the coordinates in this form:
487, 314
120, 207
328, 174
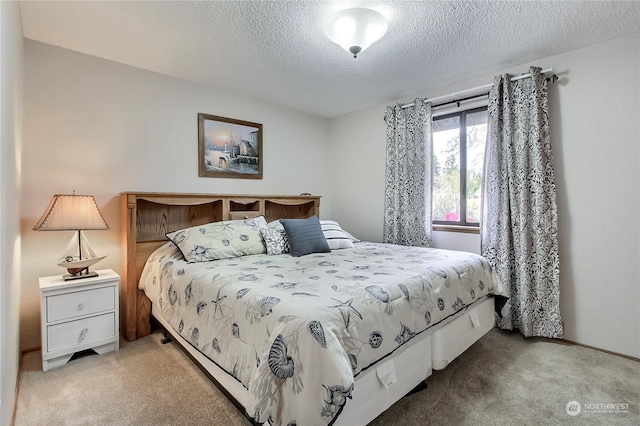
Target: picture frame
229, 148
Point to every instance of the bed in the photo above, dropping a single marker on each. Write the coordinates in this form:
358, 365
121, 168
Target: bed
326, 338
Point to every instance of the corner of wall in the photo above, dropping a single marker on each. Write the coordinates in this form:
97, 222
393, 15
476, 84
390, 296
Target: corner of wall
11, 88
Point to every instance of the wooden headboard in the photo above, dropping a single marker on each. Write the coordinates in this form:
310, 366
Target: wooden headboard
148, 216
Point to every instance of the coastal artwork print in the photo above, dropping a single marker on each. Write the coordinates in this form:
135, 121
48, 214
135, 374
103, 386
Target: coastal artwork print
229, 148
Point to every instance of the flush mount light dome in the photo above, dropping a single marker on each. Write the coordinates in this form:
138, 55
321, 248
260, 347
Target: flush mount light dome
356, 29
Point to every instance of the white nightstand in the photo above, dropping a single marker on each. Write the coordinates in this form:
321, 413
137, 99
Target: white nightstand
78, 315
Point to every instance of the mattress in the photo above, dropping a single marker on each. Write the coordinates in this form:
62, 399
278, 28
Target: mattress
297, 332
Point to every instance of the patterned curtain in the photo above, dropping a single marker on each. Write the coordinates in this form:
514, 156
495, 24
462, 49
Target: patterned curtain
519, 230
407, 199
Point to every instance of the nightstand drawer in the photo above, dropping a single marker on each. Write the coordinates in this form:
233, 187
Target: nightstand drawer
79, 332
78, 303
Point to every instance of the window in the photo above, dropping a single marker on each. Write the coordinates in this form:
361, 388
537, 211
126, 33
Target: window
458, 158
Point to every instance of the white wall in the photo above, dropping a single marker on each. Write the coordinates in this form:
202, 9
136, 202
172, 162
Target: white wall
101, 127
595, 131
11, 80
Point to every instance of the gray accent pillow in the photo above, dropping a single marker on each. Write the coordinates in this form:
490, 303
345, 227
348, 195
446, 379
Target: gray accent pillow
305, 236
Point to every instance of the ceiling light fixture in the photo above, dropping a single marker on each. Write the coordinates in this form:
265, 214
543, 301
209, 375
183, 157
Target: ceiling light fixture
356, 29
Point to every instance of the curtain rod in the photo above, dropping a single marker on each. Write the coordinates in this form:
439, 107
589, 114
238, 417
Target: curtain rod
472, 90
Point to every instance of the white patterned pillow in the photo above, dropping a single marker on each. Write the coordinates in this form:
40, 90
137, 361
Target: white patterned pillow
220, 240
336, 237
276, 241
275, 224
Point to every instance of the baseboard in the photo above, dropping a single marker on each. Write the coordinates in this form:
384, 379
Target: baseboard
571, 342
15, 399
26, 351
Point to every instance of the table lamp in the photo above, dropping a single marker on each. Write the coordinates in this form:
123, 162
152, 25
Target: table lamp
74, 213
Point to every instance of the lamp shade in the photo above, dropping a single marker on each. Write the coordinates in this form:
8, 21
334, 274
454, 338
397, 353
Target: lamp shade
356, 29
71, 213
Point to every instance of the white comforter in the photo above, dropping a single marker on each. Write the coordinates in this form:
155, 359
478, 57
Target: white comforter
296, 331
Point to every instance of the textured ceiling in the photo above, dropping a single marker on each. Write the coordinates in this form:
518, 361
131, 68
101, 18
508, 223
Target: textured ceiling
277, 51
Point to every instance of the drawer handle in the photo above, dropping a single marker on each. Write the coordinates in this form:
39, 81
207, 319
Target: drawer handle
81, 306
83, 334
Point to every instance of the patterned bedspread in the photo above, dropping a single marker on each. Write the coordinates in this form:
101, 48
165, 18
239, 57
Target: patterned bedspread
296, 331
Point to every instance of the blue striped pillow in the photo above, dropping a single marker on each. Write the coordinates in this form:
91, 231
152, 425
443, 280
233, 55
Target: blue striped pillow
305, 236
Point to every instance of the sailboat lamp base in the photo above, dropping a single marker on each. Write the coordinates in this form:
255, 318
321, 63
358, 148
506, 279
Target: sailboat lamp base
79, 275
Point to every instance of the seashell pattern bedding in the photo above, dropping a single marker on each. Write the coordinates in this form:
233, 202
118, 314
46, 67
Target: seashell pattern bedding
296, 331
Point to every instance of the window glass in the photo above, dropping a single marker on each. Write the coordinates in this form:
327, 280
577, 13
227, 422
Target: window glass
446, 169
458, 158
476, 138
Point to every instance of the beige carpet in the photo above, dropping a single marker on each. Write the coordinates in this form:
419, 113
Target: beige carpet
503, 379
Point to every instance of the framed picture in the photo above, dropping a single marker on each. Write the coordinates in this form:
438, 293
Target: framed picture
229, 148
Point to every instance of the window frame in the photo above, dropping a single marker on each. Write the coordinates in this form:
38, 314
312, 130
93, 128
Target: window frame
461, 225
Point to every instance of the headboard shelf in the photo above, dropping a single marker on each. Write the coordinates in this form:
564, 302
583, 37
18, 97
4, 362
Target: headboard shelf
245, 205
282, 208
154, 219
148, 216
244, 208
